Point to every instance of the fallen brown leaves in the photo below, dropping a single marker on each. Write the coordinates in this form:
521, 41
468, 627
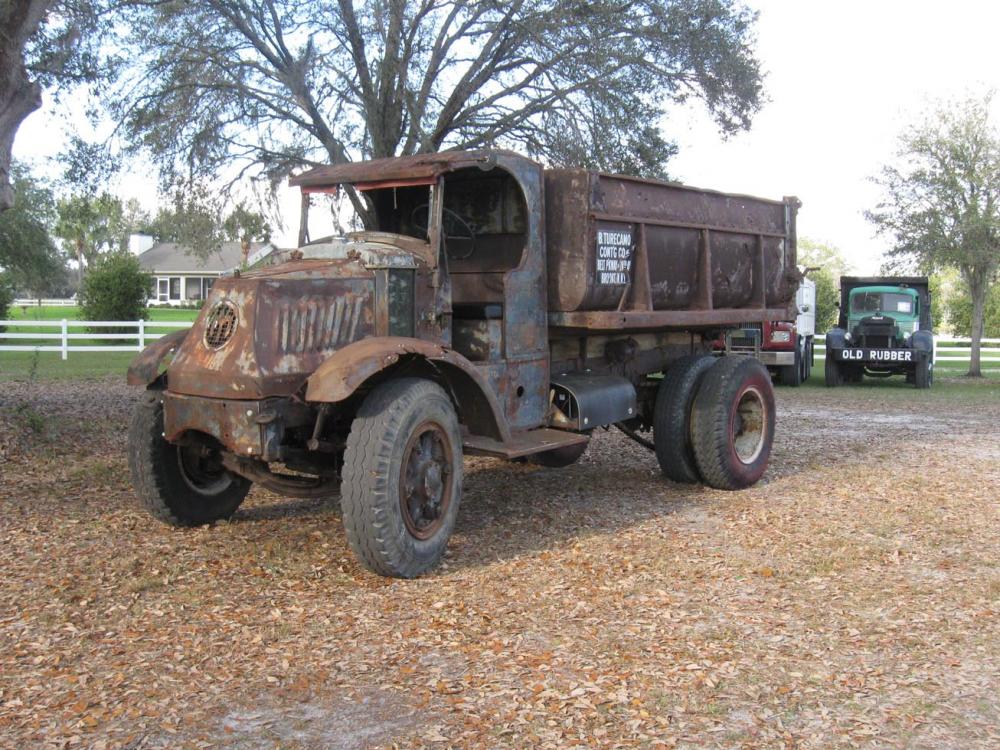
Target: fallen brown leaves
850, 601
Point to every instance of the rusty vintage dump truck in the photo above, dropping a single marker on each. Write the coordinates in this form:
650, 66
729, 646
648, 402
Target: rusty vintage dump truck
494, 308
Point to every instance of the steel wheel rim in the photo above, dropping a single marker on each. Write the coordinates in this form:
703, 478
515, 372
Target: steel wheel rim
202, 470
749, 425
425, 480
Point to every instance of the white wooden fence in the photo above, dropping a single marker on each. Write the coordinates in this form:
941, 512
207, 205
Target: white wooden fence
948, 349
44, 303
75, 331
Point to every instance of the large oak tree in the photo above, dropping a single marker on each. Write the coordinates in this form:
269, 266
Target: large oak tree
259, 87
941, 201
44, 44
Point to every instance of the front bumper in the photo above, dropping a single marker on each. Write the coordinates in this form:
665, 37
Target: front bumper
776, 359
880, 357
254, 429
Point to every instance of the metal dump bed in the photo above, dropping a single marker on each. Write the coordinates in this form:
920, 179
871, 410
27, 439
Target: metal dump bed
628, 253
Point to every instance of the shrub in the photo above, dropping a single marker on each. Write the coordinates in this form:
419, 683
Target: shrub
6, 298
115, 288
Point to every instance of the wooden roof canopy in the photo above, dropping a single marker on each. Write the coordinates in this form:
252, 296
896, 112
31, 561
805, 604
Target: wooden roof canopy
400, 171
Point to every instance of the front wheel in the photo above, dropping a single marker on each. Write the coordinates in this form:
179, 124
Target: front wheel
732, 423
182, 485
924, 375
833, 373
402, 478
793, 374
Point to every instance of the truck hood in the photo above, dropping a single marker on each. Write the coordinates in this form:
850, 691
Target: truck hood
263, 333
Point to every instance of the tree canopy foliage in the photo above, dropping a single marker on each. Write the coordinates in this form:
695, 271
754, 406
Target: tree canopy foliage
95, 224
941, 201
825, 265
959, 310
43, 44
28, 255
197, 222
260, 87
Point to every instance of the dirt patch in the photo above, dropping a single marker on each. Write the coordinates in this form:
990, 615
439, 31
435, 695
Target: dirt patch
852, 599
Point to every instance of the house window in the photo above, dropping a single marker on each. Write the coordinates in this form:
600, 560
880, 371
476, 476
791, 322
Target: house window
162, 290
175, 288
193, 286
207, 285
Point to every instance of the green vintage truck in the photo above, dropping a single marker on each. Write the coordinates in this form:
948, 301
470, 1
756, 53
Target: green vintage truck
884, 329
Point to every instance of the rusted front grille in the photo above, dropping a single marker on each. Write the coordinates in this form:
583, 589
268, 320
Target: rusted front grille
221, 324
315, 324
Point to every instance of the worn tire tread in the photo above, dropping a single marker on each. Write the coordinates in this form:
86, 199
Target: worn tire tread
149, 476
710, 421
672, 417
368, 461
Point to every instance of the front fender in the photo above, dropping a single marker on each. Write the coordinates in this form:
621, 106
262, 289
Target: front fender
836, 338
349, 368
145, 368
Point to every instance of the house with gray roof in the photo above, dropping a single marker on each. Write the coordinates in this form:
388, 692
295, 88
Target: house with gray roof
183, 278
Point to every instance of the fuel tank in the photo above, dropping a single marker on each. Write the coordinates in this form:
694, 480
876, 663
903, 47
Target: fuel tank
262, 333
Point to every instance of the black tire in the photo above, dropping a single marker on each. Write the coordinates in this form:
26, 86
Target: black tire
181, 486
924, 374
810, 358
791, 375
672, 417
559, 458
833, 373
732, 423
405, 430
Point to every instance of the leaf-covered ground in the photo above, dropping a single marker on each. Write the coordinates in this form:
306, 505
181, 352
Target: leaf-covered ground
851, 600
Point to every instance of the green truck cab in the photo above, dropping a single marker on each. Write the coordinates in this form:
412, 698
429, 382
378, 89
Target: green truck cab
884, 329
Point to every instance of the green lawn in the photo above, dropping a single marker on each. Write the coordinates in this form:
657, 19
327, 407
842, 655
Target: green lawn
182, 317
49, 366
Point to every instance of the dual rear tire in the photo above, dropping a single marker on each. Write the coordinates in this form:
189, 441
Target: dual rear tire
714, 421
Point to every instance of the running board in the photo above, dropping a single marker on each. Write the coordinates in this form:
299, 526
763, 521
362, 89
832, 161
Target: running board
522, 443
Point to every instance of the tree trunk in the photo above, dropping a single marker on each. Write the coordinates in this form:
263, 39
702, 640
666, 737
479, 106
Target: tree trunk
978, 320
19, 96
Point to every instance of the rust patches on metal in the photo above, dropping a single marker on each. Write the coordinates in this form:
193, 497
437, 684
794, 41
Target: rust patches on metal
348, 369
289, 320
145, 368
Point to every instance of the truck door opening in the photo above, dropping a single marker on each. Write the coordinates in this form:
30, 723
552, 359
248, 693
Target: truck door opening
484, 231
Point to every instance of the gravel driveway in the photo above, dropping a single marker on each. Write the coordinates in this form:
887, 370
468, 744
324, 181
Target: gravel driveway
850, 600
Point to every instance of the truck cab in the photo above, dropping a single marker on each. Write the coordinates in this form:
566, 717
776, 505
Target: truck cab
880, 315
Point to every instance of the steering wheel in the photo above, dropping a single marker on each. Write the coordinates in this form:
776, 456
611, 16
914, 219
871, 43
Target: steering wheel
420, 212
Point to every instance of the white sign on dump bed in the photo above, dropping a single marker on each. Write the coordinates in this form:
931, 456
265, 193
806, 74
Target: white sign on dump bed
614, 256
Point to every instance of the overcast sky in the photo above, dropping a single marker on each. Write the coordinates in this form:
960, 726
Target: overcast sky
842, 80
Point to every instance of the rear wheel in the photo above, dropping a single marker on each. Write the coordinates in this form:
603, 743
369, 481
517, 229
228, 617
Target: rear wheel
732, 423
402, 478
672, 417
183, 485
793, 374
833, 373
